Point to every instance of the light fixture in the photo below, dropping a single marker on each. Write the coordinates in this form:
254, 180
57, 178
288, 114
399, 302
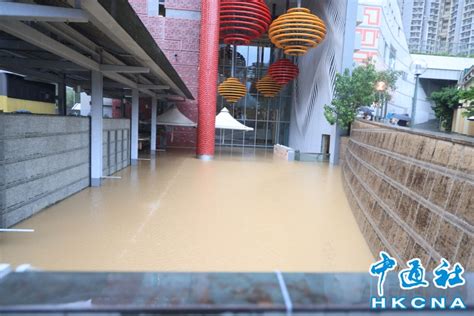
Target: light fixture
268, 87
283, 71
243, 21
381, 86
297, 31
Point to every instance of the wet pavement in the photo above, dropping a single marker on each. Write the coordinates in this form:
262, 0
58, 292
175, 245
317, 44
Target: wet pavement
244, 211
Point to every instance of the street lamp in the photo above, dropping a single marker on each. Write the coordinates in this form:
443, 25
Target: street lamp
381, 87
417, 67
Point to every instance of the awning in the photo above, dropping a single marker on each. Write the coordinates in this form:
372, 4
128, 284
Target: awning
225, 121
61, 41
173, 117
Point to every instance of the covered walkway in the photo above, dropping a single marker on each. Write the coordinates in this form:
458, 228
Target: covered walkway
245, 211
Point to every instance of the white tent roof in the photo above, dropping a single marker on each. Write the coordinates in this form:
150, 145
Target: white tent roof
225, 121
173, 117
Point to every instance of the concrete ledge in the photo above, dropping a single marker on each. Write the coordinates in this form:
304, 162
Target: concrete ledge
213, 293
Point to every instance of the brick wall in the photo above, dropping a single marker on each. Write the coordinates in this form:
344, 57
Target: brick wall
179, 40
412, 194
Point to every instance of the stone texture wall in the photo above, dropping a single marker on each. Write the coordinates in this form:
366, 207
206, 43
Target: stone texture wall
412, 193
43, 160
116, 145
343, 143
178, 37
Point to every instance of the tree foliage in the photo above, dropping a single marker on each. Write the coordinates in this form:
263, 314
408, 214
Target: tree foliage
468, 97
357, 89
446, 101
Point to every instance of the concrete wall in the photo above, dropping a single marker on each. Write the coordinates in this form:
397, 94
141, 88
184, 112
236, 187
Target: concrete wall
411, 193
116, 142
315, 84
44, 159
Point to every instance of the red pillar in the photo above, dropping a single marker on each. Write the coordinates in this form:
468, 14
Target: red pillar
208, 60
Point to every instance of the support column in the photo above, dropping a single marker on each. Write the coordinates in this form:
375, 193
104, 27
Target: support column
208, 60
62, 107
96, 127
154, 103
134, 128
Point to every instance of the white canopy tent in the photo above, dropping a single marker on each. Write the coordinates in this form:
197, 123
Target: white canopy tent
173, 117
225, 121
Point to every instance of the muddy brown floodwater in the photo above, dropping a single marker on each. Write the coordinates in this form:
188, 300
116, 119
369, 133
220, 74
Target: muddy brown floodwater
244, 211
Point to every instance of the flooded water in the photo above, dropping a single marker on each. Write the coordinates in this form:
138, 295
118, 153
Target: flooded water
241, 212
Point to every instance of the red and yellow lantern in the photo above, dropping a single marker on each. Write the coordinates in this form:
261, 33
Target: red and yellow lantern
232, 90
268, 87
243, 21
283, 71
297, 31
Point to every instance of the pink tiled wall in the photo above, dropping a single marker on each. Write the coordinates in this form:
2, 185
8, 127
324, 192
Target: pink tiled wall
179, 40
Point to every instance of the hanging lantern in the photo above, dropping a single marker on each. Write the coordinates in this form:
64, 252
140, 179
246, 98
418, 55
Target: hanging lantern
268, 87
243, 21
297, 31
283, 71
232, 90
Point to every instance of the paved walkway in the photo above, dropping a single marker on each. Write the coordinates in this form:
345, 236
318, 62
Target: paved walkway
241, 212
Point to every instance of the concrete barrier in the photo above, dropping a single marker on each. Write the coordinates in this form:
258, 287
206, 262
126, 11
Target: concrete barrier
284, 152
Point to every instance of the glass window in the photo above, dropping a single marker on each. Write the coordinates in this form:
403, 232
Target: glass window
161, 8
263, 114
392, 58
261, 134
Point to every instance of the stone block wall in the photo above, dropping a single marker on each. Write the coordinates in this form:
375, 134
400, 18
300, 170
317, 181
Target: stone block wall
412, 193
343, 143
116, 145
43, 159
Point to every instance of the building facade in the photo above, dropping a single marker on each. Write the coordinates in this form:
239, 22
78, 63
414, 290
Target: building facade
382, 39
295, 117
439, 26
309, 130
175, 24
